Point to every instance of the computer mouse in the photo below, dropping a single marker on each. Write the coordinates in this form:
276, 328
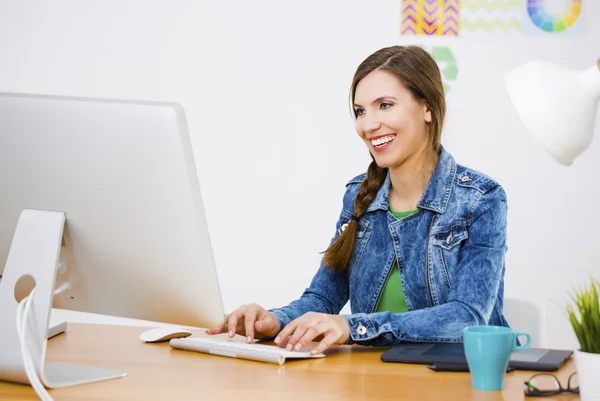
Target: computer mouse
161, 334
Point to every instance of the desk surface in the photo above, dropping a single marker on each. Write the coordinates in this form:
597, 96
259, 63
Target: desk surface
157, 372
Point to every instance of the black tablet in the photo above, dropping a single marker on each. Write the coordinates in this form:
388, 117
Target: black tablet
538, 359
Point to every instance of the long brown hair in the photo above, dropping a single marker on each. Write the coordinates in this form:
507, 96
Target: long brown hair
419, 73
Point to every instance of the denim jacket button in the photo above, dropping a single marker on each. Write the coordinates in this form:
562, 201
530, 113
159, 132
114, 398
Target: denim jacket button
465, 178
449, 239
362, 330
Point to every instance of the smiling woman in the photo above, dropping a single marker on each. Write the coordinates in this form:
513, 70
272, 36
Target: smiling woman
419, 244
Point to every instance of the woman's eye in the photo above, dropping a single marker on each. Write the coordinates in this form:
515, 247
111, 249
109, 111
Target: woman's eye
384, 106
359, 112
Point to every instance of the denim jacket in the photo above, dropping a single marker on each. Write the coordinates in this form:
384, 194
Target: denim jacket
450, 255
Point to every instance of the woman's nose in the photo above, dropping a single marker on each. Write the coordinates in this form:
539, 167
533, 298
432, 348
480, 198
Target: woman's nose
370, 123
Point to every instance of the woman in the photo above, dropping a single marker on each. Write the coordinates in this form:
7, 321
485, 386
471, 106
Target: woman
420, 241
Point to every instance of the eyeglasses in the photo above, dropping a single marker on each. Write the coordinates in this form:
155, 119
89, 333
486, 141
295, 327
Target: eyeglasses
546, 384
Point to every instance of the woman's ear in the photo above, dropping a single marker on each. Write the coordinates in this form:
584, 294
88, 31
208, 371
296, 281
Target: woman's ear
427, 113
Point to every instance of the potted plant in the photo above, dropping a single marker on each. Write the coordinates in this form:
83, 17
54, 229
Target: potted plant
585, 319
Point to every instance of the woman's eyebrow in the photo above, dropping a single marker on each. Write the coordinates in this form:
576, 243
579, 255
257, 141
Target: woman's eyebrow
379, 99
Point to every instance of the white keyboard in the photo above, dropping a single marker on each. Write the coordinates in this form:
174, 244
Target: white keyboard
239, 349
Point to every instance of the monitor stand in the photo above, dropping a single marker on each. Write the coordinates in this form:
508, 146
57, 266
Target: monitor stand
34, 254
56, 328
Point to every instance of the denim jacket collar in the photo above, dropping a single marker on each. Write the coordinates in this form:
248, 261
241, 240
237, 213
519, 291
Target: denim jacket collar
437, 191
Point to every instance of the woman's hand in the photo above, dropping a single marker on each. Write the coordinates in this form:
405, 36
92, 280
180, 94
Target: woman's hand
332, 329
250, 321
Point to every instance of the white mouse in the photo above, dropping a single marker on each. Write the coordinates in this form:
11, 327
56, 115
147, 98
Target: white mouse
161, 334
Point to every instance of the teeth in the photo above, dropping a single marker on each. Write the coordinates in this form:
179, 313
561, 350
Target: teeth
383, 140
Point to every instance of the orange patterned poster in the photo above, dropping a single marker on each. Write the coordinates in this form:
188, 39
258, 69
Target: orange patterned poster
430, 17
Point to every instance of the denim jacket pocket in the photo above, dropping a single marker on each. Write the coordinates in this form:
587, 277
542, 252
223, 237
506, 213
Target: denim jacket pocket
450, 237
446, 246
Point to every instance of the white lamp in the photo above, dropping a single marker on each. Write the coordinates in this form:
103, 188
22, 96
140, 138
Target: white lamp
557, 105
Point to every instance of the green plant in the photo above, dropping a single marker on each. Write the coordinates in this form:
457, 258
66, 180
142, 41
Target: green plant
586, 318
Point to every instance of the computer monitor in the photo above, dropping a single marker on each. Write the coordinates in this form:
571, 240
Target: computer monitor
135, 241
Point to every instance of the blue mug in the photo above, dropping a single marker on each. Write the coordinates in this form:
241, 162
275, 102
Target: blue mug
488, 350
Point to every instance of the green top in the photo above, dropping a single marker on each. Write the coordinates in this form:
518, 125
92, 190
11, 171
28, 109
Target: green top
392, 298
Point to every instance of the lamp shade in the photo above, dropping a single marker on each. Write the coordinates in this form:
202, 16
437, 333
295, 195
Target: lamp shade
557, 105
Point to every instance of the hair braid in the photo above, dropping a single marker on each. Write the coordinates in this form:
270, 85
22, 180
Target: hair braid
338, 255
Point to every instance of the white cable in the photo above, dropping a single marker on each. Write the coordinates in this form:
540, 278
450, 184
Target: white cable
22, 318
62, 288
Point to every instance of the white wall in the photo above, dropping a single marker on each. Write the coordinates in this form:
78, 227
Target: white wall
265, 86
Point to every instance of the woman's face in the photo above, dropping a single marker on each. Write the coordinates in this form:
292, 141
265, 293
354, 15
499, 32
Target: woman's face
390, 121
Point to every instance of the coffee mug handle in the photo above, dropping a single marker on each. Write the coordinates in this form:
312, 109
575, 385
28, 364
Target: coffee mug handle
521, 347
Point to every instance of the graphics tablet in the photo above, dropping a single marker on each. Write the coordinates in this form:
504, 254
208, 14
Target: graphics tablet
539, 359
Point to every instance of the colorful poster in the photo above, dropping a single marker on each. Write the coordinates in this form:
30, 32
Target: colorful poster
492, 17
555, 17
496, 17
430, 17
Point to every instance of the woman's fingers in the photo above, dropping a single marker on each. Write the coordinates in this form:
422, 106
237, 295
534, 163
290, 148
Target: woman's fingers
267, 324
327, 341
235, 319
254, 321
252, 313
283, 337
310, 335
295, 330
300, 331
250, 321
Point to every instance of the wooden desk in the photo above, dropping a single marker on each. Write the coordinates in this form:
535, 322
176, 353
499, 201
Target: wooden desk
157, 372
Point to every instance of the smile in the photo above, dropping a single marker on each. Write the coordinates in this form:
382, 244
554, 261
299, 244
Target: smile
382, 141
